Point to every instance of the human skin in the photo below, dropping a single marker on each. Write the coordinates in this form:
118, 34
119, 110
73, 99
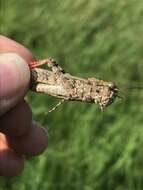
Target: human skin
19, 135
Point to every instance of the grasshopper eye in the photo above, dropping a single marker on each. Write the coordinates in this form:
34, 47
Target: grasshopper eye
112, 86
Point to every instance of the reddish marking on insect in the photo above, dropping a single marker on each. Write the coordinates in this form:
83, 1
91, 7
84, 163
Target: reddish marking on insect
35, 64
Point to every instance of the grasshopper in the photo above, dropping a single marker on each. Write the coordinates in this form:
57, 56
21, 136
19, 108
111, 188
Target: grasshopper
55, 82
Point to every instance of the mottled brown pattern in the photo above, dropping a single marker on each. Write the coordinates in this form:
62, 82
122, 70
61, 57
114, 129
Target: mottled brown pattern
55, 82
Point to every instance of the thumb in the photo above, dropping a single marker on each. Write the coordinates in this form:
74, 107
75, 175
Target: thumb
14, 80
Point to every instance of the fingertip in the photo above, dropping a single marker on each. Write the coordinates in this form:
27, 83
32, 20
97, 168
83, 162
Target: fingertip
11, 164
14, 80
9, 45
31, 144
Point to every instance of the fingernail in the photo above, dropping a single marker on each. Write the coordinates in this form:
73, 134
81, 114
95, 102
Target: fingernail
14, 80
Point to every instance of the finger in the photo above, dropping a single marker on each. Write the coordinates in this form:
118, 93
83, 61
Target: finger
14, 80
11, 164
32, 143
8, 45
17, 121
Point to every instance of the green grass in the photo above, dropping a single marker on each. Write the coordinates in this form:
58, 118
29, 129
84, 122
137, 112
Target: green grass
88, 149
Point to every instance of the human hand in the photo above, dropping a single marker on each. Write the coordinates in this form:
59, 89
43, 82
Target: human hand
19, 136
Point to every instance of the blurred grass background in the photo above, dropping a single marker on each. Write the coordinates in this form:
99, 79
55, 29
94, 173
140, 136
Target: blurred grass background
88, 149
